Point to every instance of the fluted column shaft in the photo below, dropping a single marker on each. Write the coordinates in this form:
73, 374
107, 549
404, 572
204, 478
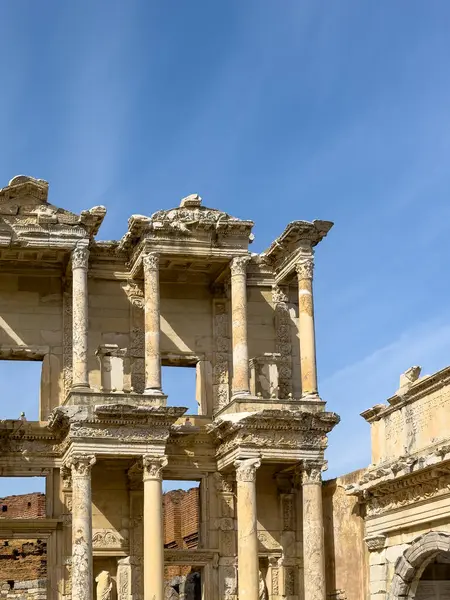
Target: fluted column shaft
305, 268
313, 537
82, 573
80, 259
153, 528
152, 324
241, 379
248, 561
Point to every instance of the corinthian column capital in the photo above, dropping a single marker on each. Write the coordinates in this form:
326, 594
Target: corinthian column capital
305, 268
81, 464
238, 265
246, 469
312, 472
151, 261
153, 466
80, 256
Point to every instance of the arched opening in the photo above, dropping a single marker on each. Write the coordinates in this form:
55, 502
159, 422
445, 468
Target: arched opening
434, 583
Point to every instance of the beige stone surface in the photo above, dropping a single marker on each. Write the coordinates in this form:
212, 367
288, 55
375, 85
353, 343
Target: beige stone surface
180, 288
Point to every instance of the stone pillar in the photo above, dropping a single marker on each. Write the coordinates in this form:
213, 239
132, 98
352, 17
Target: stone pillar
152, 324
241, 379
313, 538
304, 270
82, 575
153, 528
80, 258
248, 561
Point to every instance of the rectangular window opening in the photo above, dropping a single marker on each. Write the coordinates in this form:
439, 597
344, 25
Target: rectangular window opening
180, 385
20, 390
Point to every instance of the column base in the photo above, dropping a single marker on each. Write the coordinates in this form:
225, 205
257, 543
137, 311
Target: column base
311, 396
80, 387
153, 392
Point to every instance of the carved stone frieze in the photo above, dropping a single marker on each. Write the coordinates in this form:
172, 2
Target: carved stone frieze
418, 492
121, 433
274, 429
108, 539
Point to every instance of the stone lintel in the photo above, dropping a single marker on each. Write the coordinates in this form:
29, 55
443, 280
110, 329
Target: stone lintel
239, 404
92, 398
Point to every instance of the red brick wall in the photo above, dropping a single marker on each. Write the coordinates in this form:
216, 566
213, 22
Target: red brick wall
181, 518
25, 506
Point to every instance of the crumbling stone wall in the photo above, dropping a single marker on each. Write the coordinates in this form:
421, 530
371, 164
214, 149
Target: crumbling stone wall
24, 590
23, 563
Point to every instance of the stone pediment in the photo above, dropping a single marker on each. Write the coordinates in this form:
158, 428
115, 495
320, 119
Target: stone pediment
27, 218
189, 224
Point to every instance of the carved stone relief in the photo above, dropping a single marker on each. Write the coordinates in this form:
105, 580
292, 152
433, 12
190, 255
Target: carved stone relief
221, 377
67, 341
283, 341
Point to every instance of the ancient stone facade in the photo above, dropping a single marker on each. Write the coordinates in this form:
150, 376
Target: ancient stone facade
180, 288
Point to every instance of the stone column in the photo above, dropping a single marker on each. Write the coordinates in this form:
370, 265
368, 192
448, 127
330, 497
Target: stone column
304, 270
313, 540
152, 324
248, 561
80, 258
241, 379
82, 575
153, 528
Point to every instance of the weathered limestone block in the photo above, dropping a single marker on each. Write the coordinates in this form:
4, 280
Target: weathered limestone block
114, 368
264, 375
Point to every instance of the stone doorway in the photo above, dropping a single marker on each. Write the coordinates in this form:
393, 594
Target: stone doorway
434, 584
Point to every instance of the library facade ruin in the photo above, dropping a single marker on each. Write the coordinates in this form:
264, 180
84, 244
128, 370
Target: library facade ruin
182, 289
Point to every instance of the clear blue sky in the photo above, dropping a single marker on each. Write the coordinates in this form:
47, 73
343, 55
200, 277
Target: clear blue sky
269, 110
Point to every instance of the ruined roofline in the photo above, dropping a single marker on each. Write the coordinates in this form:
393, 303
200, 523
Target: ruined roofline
418, 389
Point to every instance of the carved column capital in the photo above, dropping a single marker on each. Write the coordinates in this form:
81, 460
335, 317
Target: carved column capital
279, 295
238, 265
81, 464
312, 472
153, 466
305, 268
151, 261
135, 293
80, 257
246, 469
